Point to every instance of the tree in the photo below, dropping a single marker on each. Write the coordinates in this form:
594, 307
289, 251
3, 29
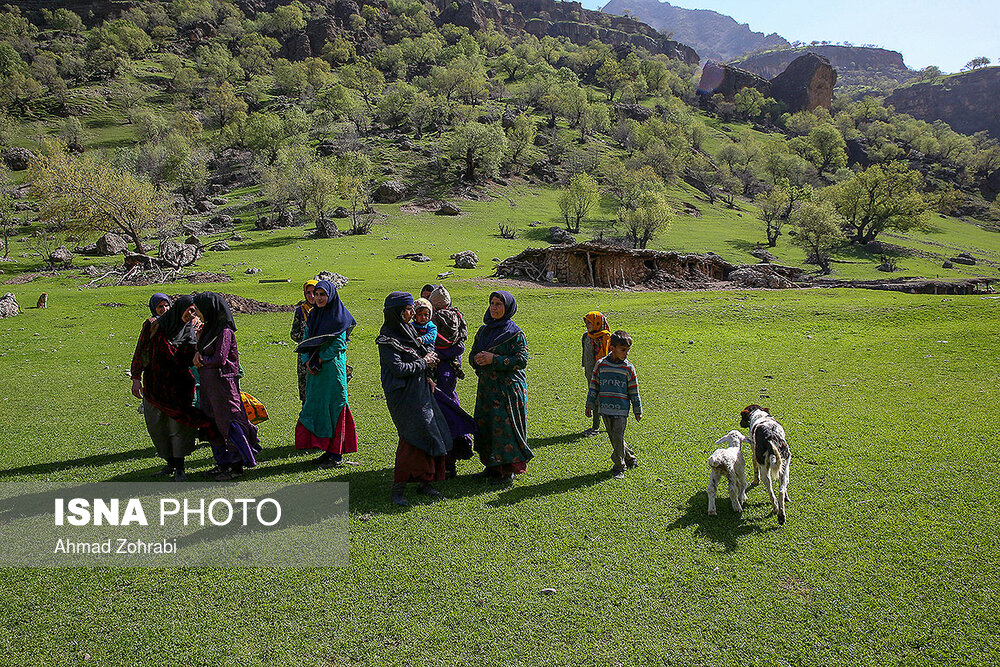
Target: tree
818, 230
651, 215
93, 196
612, 77
480, 147
749, 102
225, 103
880, 197
830, 147
355, 176
772, 206
577, 200
628, 185
520, 136
976, 63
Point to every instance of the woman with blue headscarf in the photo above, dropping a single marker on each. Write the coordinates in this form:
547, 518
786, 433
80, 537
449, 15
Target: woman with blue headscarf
326, 422
424, 438
499, 357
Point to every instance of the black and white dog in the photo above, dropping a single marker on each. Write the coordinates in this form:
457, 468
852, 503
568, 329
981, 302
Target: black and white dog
770, 452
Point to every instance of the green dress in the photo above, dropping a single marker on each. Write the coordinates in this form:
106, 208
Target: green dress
500, 406
325, 414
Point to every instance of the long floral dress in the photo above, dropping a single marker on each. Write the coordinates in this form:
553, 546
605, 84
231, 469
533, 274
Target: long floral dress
502, 441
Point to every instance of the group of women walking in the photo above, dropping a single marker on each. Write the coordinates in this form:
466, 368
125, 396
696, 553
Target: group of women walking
186, 370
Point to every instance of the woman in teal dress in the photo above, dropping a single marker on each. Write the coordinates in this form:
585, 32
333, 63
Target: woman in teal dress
499, 356
326, 422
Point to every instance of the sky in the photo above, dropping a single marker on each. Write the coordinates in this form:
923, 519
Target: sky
947, 34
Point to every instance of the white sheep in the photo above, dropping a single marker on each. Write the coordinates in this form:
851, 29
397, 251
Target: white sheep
728, 461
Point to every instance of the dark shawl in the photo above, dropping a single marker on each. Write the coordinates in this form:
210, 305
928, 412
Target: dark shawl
330, 320
499, 331
172, 325
218, 316
393, 326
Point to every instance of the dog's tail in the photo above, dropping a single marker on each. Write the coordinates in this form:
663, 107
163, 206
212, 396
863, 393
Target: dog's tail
776, 451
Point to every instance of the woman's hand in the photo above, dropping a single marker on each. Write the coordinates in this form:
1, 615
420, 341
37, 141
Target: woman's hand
197, 360
137, 387
484, 358
432, 384
431, 358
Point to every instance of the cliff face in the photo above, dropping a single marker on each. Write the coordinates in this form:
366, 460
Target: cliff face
855, 65
714, 36
968, 102
562, 19
805, 84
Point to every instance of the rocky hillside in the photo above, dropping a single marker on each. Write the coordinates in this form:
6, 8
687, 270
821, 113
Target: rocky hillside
562, 19
968, 102
714, 36
860, 68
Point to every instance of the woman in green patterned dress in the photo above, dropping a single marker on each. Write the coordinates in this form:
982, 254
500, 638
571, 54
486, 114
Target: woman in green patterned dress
499, 356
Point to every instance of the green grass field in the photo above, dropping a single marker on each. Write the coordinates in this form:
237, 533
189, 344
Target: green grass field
889, 555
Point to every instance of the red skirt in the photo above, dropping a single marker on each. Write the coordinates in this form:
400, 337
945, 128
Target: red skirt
415, 465
344, 440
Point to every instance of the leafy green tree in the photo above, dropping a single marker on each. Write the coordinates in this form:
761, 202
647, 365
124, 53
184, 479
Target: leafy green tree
612, 77
577, 199
366, 79
356, 176
480, 148
627, 185
651, 215
976, 63
94, 196
879, 198
818, 230
749, 102
520, 137
224, 103
830, 148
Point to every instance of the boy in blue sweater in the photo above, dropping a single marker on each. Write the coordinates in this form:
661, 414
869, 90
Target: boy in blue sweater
614, 388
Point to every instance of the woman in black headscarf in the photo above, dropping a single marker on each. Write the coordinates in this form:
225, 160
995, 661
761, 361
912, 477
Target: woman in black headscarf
161, 377
219, 363
424, 438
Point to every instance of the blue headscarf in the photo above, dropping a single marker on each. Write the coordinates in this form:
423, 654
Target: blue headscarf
497, 332
330, 320
155, 300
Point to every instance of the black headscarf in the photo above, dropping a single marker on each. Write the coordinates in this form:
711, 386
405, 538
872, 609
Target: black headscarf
155, 301
217, 316
498, 331
395, 328
173, 327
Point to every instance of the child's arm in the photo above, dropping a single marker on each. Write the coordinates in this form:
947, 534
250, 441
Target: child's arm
633, 393
431, 335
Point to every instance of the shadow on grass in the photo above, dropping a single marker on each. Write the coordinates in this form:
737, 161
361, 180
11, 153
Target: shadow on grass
269, 242
83, 461
516, 494
728, 527
743, 245
535, 443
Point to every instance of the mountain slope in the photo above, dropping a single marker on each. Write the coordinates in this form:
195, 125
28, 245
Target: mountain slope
714, 36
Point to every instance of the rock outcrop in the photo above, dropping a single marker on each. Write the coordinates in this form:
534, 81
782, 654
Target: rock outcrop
805, 84
855, 65
8, 306
562, 19
727, 80
713, 35
968, 102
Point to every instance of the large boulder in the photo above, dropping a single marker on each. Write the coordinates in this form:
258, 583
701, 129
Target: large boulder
727, 80
560, 235
990, 186
61, 256
176, 254
636, 112
448, 208
465, 259
807, 83
389, 192
110, 244
754, 278
337, 280
17, 159
8, 306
